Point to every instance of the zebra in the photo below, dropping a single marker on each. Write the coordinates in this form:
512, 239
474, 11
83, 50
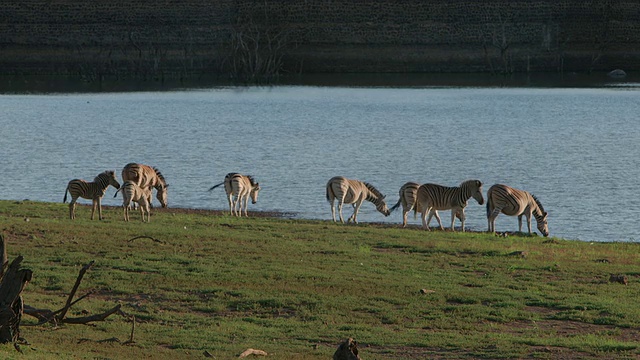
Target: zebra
131, 192
242, 187
432, 197
408, 194
354, 192
147, 176
90, 190
514, 202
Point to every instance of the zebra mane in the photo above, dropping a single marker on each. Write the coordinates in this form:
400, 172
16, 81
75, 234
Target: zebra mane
159, 174
538, 203
252, 180
105, 174
375, 191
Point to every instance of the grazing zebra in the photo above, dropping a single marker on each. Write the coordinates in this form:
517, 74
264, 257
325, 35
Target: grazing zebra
242, 187
147, 176
408, 194
349, 191
90, 190
514, 202
432, 197
131, 192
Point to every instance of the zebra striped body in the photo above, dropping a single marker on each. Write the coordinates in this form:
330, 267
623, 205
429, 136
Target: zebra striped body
147, 176
243, 188
408, 197
131, 192
514, 202
349, 191
408, 194
90, 190
432, 197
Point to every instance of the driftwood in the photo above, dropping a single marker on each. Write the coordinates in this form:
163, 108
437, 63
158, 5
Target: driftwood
60, 316
11, 305
348, 350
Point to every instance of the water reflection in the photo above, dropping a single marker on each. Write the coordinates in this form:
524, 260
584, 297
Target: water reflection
21, 84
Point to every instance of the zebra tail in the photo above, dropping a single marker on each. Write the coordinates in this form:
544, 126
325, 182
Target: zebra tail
65, 195
215, 186
396, 205
328, 193
488, 207
117, 191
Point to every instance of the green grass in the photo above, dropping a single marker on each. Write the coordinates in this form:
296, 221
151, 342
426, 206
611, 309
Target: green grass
296, 288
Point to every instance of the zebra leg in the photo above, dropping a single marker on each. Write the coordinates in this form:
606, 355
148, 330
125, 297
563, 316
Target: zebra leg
355, 212
462, 217
230, 199
238, 206
491, 219
93, 207
435, 213
246, 205
404, 217
333, 210
520, 223
529, 222
99, 203
72, 208
340, 210
141, 206
425, 223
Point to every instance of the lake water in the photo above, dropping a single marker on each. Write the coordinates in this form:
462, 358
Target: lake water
575, 148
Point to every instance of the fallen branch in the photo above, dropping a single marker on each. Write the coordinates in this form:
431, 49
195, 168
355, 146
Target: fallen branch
147, 237
66, 307
92, 318
59, 316
133, 329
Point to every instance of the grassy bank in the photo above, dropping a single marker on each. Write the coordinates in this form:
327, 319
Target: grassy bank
296, 288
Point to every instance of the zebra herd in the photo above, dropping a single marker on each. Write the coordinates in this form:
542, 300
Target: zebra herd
426, 199
138, 180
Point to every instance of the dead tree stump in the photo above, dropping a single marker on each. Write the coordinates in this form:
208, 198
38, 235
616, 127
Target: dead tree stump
348, 350
11, 306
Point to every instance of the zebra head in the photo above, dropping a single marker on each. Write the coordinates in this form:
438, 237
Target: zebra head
381, 206
541, 217
377, 198
543, 227
255, 189
475, 189
111, 175
162, 194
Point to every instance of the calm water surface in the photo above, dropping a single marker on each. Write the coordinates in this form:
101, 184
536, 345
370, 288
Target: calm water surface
576, 149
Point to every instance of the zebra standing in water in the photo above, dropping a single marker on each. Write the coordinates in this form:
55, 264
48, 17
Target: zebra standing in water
90, 190
432, 197
131, 192
242, 187
514, 202
147, 176
349, 191
408, 196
